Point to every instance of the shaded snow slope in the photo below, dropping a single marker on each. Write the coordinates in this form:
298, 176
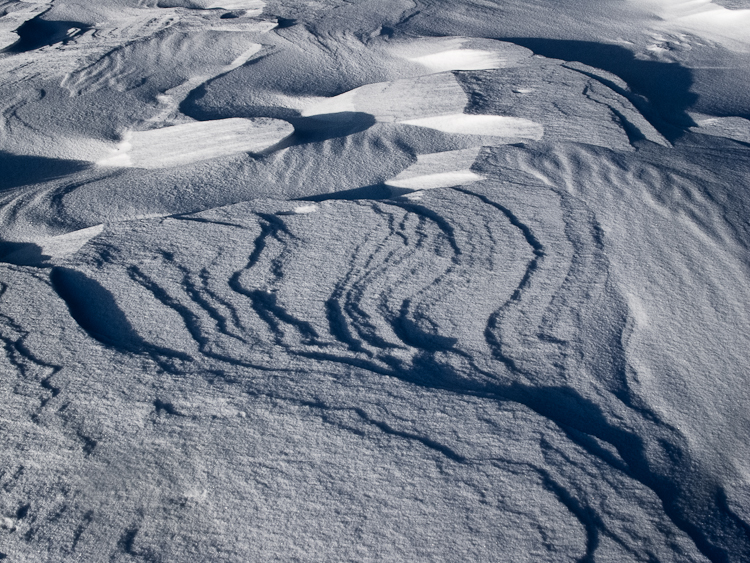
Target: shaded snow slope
399, 280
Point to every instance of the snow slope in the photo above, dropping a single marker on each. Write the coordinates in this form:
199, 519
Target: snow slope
398, 280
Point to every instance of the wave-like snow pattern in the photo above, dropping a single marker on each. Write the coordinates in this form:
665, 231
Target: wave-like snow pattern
364, 282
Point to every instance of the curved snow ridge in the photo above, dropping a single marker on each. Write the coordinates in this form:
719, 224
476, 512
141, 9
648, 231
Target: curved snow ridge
736, 128
496, 290
614, 96
311, 66
193, 142
393, 300
170, 99
39, 251
163, 61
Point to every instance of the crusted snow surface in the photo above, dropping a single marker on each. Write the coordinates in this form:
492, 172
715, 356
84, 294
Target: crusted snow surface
401, 280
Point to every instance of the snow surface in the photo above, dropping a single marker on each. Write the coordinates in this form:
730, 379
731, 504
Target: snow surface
405, 280
193, 142
440, 170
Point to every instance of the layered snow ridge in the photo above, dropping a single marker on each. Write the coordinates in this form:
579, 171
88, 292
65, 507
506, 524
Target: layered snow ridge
374, 281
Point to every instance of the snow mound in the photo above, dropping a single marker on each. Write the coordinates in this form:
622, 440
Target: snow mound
433, 101
441, 54
160, 62
330, 300
736, 128
398, 100
251, 7
193, 142
438, 170
704, 18
459, 59
488, 125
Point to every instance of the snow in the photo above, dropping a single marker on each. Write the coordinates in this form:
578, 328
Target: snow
399, 280
53, 247
439, 170
736, 128
399, 100
491, 125
707, 19
442, 54
252, 7
305, 209
193, 142
465, 59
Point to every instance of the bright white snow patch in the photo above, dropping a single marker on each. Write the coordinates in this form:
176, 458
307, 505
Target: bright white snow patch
193, 142
437, 180
303, 209
251, 7
731, 28
460, 59
441, 54
438, 170
398, 100
489, 125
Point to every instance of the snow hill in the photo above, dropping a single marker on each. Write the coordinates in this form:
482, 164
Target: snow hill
394, 280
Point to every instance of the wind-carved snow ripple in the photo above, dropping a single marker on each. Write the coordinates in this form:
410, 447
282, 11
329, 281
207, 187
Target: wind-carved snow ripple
490, 292
20, 359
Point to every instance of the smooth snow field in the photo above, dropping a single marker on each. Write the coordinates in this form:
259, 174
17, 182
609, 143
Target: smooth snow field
375, 280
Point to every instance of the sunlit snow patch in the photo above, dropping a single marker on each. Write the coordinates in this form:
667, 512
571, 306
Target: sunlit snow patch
705, 18
304, 209
489, 125
250, 7
236, 4
398, 100
441, 54
192, 142
434, 101
460, 59
736, 128
438, 170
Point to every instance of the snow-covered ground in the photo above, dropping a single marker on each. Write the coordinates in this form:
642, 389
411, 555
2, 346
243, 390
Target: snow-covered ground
394, 280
